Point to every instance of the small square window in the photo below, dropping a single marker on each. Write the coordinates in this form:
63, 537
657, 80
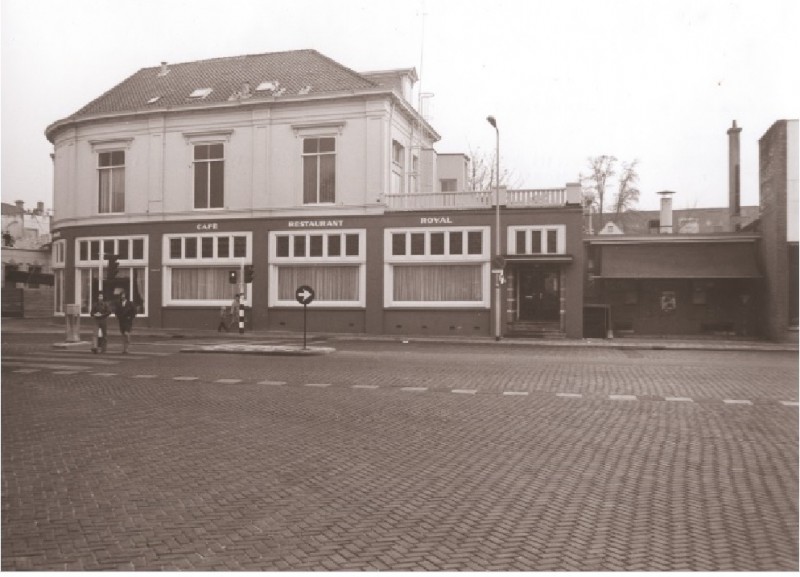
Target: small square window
138, 249
474, 242
437, 243
521, 241
175, 248
398, 243
536, 242
299, 246
315, 245
351, 245
223, 247
456, 243
207, 247
417, 243
282, 246
239, 246
191, 247
334, 245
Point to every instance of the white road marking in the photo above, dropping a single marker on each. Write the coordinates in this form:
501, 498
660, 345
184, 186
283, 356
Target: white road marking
319, 385
66, 372
464, 391
679, 399
789, 403
414, 389
103, 374
365, 386
570, 395
736, 402
144, 376
26, 371
184, 378
622, 397
515, 393
273, 383
228, 381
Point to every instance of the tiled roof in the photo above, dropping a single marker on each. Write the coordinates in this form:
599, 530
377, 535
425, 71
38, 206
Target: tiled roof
296, 72
709, 220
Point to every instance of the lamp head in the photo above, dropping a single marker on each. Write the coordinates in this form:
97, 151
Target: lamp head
492, 121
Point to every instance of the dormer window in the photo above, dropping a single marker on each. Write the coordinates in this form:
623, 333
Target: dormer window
267, 86
201, 93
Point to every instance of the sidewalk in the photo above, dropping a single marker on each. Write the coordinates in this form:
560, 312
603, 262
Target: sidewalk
56, 327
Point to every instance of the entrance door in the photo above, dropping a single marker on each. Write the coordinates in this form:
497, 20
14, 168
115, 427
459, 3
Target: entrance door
539, 293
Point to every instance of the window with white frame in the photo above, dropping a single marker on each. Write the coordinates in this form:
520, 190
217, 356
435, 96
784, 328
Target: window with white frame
441, 267
59, 262
319, 170
91, 275
398, 167
550, 239
413, 178
333, 263
197, 267
209, 175
111, 181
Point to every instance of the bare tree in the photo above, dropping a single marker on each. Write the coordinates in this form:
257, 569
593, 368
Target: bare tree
627, 189
482, 168
601, 170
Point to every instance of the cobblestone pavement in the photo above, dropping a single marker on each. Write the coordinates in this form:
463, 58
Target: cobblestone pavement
405, 457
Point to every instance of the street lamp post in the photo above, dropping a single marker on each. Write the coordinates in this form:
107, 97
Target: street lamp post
498, 276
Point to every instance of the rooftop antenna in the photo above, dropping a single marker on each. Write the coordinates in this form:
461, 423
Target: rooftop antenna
421, 57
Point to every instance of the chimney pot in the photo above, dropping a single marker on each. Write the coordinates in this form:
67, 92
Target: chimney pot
665, 221
19, 203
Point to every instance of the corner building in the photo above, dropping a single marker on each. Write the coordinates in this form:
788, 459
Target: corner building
312, 174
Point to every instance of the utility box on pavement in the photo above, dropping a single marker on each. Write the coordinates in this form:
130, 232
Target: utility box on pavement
73, 317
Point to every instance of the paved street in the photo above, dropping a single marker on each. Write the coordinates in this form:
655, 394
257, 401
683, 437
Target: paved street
384, 455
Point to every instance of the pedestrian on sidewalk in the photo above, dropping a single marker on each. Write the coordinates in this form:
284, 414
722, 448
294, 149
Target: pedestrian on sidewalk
224, 320
100, 312
126, 311
234, 313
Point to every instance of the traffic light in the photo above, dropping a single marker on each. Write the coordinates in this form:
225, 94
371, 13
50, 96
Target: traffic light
233, 276
113, 266
249, 271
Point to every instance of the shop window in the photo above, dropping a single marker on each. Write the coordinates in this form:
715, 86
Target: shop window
196, 267
332, 263
432, 268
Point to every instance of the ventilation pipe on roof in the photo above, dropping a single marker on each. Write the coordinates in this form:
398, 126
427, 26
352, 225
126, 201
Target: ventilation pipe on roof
665, 223
734, 182
164, 70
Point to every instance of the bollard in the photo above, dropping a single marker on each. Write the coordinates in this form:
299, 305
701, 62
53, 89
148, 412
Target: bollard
73, 318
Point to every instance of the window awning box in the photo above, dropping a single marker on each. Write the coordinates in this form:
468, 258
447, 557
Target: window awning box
684, 260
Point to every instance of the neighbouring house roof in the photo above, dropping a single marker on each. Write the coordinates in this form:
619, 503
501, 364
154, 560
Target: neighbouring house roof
11, 209
709, 220
706, 259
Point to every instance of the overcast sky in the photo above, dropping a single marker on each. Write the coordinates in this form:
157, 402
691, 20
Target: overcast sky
655, 80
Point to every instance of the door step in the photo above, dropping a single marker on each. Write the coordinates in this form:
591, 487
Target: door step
535, 330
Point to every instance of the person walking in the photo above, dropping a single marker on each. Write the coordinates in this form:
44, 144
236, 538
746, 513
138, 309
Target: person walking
100, 312
126, 311
235, 309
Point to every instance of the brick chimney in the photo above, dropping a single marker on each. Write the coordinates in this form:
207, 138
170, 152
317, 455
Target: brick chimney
665, 221
734, 182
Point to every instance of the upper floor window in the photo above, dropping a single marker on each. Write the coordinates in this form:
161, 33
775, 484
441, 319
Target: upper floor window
111, 188
209, 175
448, 184
537, 239
398, 167
319, 170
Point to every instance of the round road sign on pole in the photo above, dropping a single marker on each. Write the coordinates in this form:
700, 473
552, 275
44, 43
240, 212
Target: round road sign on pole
304, 294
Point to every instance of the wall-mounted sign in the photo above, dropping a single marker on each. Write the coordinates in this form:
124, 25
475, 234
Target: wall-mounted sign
315, 223
435, 220
669, 301
207, 226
